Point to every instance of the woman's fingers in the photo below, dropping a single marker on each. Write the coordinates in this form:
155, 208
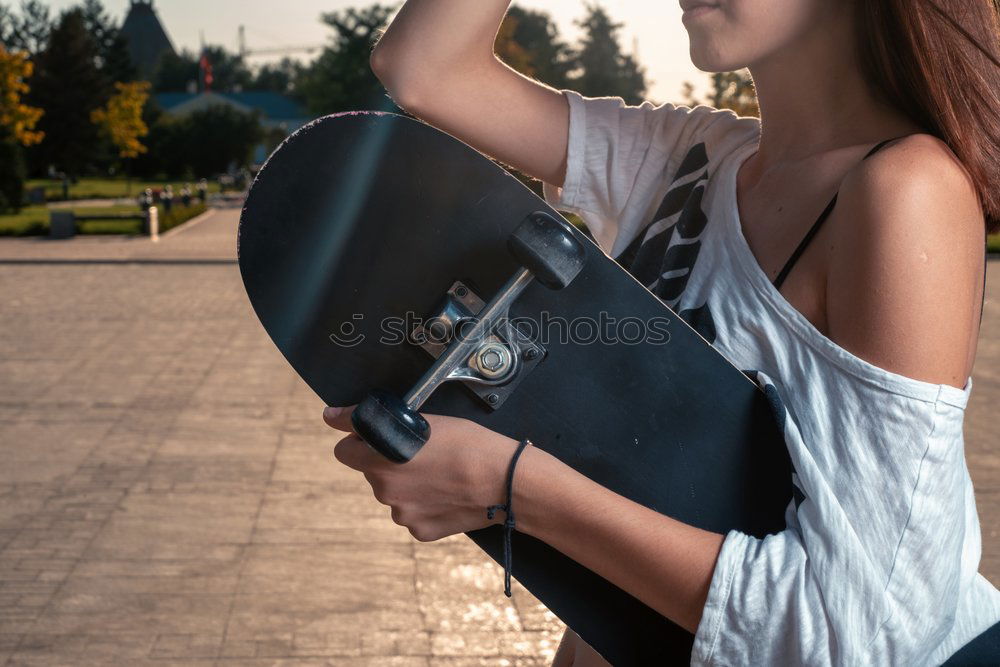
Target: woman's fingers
339, 418
355, 453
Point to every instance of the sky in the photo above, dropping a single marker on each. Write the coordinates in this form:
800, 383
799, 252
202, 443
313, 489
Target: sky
653, 25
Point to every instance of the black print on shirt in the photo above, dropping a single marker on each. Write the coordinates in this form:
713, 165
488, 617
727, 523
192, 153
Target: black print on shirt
664, 253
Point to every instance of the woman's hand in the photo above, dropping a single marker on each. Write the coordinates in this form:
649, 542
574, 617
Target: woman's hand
446, 488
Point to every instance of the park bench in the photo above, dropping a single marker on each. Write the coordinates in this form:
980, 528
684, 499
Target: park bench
62, 223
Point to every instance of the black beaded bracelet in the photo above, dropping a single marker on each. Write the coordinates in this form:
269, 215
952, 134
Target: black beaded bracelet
508, 524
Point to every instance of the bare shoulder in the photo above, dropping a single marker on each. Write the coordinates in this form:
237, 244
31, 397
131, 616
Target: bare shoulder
906, 262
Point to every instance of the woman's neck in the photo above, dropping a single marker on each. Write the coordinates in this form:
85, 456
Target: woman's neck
818, 100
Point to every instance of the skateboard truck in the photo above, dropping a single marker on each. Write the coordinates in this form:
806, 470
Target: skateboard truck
485, 349
500, 362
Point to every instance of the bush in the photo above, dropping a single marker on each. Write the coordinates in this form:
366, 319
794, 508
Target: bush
34, 220
179, 214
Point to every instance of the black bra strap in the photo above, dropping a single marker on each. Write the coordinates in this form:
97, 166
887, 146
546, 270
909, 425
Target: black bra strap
877, 147
815, 227
802, 245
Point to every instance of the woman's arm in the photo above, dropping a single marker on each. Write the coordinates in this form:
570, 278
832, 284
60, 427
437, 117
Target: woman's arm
437, 61
664, 563
461, 471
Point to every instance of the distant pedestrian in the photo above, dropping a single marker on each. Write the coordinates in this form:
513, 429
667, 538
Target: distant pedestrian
167, 197
186, 195
203, 190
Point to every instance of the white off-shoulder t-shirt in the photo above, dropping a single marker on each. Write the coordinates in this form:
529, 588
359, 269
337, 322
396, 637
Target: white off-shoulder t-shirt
878, 562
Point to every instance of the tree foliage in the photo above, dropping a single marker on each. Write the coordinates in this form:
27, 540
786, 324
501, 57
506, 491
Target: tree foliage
510, 50
279, 77
201, 143
17, 123
81, 58
112, 51
602, 67
176, 72
121, 118
7, 19
341, 78
17, 119
27, 31
68, 85
12, 175
76, 60
730, 90
229, 71
529, 42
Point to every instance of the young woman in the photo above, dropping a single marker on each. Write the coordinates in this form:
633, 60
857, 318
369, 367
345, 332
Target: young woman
864, 311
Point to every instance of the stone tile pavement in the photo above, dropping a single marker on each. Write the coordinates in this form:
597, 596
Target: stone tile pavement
168, 493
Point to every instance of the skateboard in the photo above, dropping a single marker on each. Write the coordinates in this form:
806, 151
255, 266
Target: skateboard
399, 269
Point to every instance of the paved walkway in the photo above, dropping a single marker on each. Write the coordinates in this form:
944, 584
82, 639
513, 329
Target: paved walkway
168, 493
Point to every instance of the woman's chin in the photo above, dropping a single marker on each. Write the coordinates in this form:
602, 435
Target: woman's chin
712, 65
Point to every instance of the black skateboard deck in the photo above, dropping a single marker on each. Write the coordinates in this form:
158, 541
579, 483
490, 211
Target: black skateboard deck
361, 224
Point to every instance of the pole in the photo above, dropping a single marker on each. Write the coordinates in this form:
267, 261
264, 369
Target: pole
154, 224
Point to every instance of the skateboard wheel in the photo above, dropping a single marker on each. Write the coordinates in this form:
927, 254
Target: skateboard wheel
547, 248
392, 429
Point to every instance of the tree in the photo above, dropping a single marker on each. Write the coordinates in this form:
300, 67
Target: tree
603, 68
730, 90
121, 120
17, 120
229, 71
223, 138
27, 32
17, 126
341, 78
68, 85
529, 42
204, 142
176, 71
734, 90
7, 22
510, 50
112, 49
279, 77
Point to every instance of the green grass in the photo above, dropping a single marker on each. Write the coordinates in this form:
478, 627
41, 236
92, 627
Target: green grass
31, 221
34, 220
993, 243
108, 188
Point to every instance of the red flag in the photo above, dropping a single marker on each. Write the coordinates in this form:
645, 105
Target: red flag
206, 72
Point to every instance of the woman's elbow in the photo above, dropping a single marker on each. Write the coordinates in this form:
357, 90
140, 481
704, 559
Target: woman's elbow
397, 83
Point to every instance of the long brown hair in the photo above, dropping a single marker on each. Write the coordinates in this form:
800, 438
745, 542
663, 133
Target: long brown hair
938, 62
